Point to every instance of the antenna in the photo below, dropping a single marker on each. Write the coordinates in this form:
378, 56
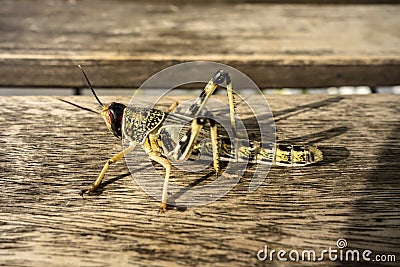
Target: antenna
76, 105
90, 85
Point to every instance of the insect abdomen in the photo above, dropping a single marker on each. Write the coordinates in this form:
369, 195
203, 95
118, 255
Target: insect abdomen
296, 155
255, 152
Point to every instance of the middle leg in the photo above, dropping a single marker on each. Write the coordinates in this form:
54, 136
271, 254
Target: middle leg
154, 151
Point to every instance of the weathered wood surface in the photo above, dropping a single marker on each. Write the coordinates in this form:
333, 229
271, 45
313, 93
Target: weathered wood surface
125, 42
51, 150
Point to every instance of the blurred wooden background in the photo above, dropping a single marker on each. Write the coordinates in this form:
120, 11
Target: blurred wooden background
122, 43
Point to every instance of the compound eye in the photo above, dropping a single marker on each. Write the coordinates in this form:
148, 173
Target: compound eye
109, 117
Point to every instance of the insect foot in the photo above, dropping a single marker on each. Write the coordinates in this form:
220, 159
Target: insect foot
84, 191
87, 191
163, 208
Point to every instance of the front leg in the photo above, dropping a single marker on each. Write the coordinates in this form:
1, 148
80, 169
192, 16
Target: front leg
112, 160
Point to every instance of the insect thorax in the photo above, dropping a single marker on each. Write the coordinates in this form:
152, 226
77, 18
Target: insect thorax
139, 122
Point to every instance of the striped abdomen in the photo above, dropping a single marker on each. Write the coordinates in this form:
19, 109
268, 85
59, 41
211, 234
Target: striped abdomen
255, 152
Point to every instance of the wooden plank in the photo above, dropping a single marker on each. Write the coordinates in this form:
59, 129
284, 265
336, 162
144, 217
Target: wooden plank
362, 2
51, 150
125, 42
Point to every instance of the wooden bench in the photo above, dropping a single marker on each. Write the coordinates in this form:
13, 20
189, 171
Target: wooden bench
124, 42
51, 150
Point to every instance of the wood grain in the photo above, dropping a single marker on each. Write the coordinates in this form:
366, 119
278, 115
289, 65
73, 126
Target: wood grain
125, 42
51, 150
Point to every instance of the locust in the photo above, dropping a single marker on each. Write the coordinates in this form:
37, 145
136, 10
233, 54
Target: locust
168, 136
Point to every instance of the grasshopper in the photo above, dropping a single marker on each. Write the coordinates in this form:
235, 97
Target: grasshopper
164, 139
